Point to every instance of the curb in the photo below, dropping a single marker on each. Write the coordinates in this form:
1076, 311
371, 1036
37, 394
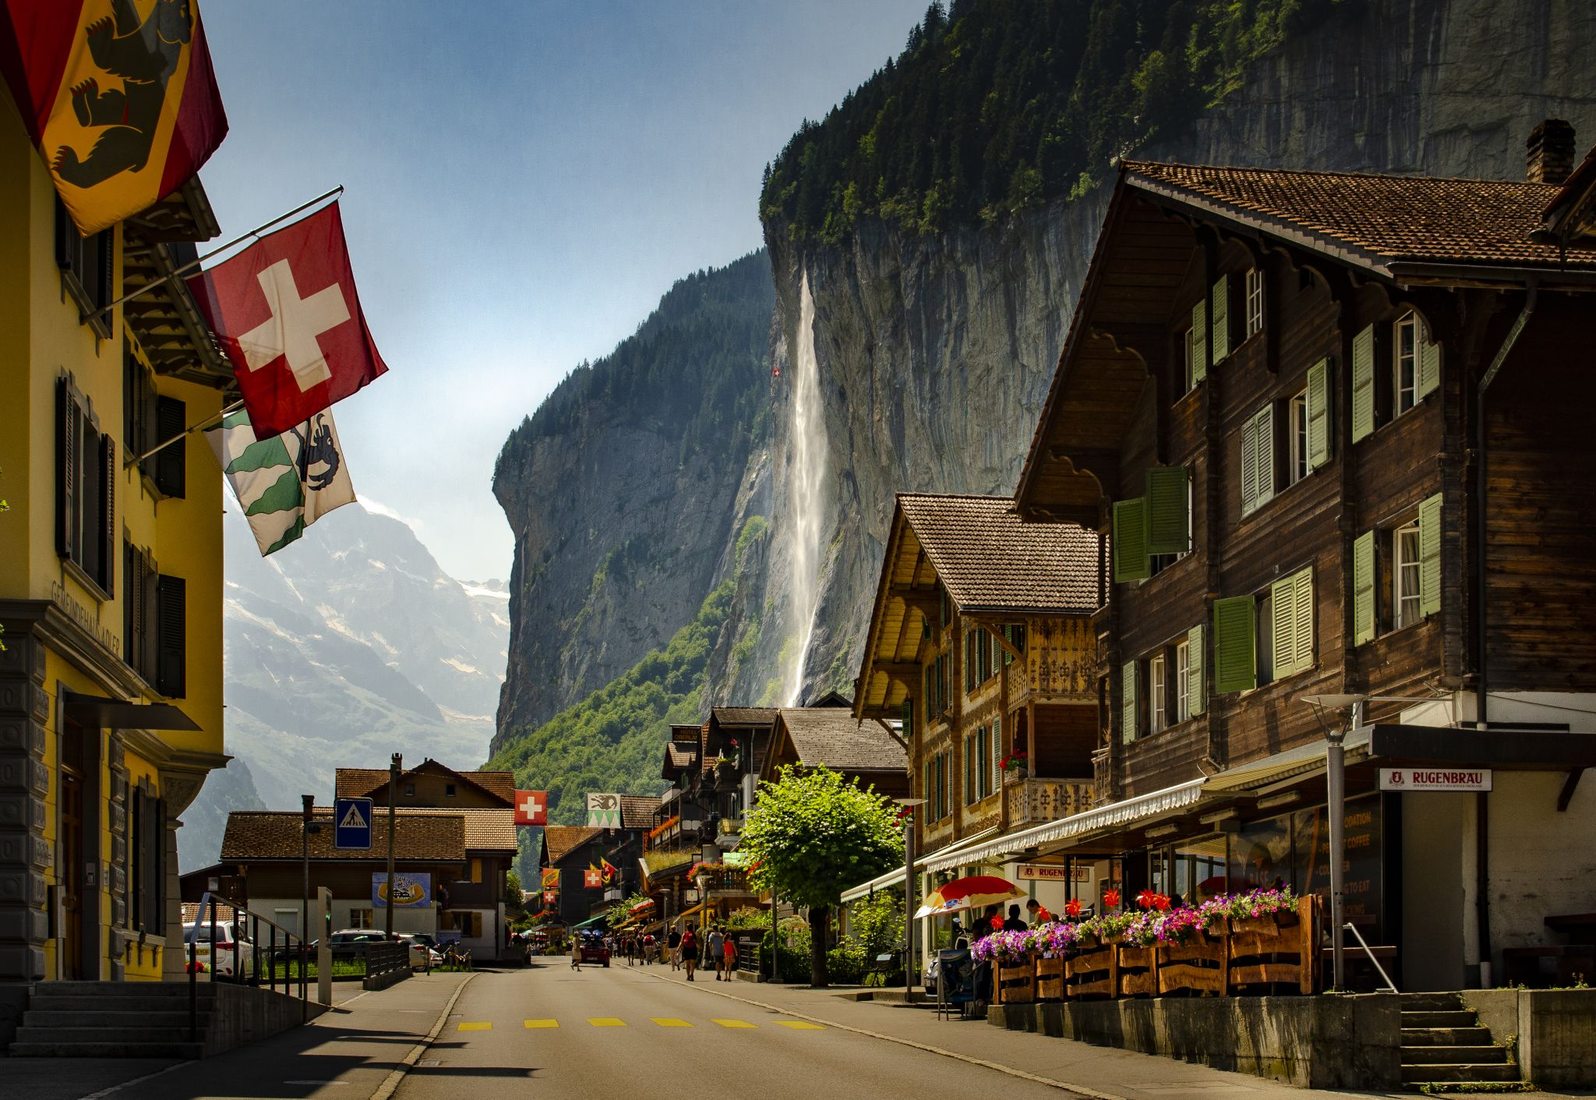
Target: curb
391, 1082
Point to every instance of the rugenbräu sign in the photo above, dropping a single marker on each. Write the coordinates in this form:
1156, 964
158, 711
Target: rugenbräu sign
1435, 779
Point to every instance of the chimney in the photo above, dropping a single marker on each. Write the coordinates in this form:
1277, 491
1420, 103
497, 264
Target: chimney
1549, 152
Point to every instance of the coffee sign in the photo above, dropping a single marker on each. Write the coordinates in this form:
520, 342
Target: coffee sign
1435, 779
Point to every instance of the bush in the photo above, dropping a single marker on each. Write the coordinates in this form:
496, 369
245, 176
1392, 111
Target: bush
847, 963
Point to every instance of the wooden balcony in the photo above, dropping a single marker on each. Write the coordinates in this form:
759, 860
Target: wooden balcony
1033, 801
719, 881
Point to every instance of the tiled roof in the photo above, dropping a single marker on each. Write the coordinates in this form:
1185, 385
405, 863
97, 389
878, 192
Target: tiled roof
499, 783
988, 560
486, 830
681, 756
637, 811
360, 782
562, 840
744, 716
835, 738
275, 834
1388, 219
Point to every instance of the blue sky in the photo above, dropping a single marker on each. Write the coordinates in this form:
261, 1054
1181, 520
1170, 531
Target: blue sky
524, 180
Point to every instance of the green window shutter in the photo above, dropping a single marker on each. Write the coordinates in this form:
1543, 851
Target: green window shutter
1130, 540
1168, 510
1221, 314
1282, 630
1263, 441
997, 747
969, 769
1363, 588
1127, 702
1302, 620
1363, 383
1249, 466
1319, 414
1429, 368
908, 720
1194, 670
1235, 634
1430, 555
1199, 341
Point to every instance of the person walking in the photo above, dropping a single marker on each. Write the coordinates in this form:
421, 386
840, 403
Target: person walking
716, 946
729, 946
576, 951
674, 942
689, 951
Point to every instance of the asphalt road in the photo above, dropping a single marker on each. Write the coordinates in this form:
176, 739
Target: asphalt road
551, 1032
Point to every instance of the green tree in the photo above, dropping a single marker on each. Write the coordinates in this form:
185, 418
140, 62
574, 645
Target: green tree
813, 836
513, 902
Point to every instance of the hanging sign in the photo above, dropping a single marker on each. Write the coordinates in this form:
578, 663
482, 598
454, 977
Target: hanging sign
1435, 779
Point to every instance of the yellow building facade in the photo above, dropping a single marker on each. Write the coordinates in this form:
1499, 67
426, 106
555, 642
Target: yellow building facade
110, 577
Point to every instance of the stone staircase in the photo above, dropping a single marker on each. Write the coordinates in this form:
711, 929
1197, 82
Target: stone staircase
111, 1020
1443, 1043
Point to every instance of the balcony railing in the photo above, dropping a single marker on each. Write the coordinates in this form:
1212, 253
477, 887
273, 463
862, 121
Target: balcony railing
1033, 801
721, 881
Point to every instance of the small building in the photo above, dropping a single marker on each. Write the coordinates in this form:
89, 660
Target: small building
865, 750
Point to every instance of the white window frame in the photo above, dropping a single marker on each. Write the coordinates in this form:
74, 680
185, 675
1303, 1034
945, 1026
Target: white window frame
1405, 334
1297, 466
1189, 357
1182, 681
1157, 694
1255, 302
1406, 577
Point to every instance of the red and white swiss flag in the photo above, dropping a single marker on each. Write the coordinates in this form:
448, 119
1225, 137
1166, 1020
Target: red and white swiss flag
531, 807
289, 319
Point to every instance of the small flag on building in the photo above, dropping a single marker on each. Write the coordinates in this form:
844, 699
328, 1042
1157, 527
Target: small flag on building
551, 878
551, 897
284, 482
531, 807
610, 870
592, 878
121, 103
603, 811
288, 317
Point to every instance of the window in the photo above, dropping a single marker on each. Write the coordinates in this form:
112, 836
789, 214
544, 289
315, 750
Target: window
147, 841
1290, 624
86, 267
361, 918
1129, 724
1404, 363
1197, 344
1182, 680
410, 790
1157, 695
448, 790
1188, 360
1255, 301
1151, 526
1258, 459
85, 500
1405, 575
1297, 438
1415, 372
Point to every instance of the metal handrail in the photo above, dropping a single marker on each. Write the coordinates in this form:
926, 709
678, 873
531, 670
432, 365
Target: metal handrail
207, 903
1389, 984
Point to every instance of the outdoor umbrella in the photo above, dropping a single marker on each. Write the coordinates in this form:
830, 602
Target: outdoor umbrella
975, 892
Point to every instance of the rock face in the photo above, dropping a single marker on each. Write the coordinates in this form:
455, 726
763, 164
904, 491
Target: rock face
932, 355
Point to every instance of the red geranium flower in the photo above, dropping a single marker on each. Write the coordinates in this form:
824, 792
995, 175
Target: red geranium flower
1145, 899
1111, 899
1161, 902
1042, 913
997, 924
1073, 907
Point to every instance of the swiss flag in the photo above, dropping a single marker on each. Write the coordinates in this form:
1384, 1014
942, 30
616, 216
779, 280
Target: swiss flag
551, 897
531, 807
592, 877
289, 319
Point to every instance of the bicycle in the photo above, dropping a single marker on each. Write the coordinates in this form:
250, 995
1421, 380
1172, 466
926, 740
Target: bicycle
456, 957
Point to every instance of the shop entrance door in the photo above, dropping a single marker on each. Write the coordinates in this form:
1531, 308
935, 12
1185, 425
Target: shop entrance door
72, 887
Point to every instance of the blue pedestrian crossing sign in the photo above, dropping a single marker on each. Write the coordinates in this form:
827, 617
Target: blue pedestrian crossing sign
353, 823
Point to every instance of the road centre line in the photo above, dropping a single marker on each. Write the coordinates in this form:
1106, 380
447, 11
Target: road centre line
540, 1023
669, 1021
1010, 1071
606, 1021
731, 1023
475, 1025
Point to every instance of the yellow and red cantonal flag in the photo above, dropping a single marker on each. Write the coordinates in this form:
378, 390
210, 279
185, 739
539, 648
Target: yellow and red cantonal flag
118, 95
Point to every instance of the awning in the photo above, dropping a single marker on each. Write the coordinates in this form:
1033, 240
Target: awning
1302, 760
98, 712
894, 877
1142, 807
591, 921
690, 912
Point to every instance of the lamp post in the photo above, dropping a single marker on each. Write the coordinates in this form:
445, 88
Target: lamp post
395, 765
1336, 811
908, 805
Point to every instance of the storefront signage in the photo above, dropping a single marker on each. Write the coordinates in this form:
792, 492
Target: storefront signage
410, 891
1435, 779
1053, 872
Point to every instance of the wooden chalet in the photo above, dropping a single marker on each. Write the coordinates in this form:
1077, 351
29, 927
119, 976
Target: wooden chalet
571, 851
981, 646
1336, 426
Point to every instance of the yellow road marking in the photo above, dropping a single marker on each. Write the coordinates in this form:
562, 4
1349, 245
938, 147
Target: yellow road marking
669, 1021
540, 1023
476, 1025
606, 1021
734, 1023
801, 1025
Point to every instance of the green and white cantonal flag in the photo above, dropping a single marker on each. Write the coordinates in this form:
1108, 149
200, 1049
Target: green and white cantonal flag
285, 482
603, 811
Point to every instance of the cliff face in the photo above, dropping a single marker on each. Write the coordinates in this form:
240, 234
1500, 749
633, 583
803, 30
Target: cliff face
934, 352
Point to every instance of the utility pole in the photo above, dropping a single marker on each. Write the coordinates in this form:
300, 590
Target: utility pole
394, 767
307, 803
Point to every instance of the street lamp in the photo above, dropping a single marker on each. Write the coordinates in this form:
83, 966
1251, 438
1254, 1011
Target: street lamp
908, 805
1336, 810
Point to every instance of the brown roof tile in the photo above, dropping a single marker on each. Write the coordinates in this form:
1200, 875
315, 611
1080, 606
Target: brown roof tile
637, 811
360, 782
275, 834
1389, 219
989, 560
486, 830
744, 716
835, 738
562, 840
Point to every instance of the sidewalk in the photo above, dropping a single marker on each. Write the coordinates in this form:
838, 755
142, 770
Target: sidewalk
1106, 1073
359, 1042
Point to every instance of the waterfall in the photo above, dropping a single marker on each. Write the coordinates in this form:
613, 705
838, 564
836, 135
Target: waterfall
806, 479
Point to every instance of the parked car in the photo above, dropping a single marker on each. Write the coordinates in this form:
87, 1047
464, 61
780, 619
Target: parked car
595, 950
422, 955
233, 951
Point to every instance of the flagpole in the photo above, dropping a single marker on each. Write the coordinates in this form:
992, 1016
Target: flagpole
192, 264
215, 417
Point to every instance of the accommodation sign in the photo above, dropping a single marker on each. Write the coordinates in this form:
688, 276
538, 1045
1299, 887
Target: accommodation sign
1435, 779
1053, 872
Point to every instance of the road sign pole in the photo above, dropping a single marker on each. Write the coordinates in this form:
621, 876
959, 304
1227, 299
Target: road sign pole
394, 767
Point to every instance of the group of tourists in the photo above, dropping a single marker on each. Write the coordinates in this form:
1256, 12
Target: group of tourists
689, 951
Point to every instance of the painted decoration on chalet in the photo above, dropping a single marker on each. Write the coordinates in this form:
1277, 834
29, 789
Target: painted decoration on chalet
603, 811
410, 891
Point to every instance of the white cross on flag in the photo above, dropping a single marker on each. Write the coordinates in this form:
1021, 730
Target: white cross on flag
531, 807
288, 317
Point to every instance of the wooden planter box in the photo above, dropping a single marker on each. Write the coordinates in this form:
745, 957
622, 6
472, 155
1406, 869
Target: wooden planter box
1197, 966
1093, 971
1050, 979
1278, 949
1138, 971
1014, 983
